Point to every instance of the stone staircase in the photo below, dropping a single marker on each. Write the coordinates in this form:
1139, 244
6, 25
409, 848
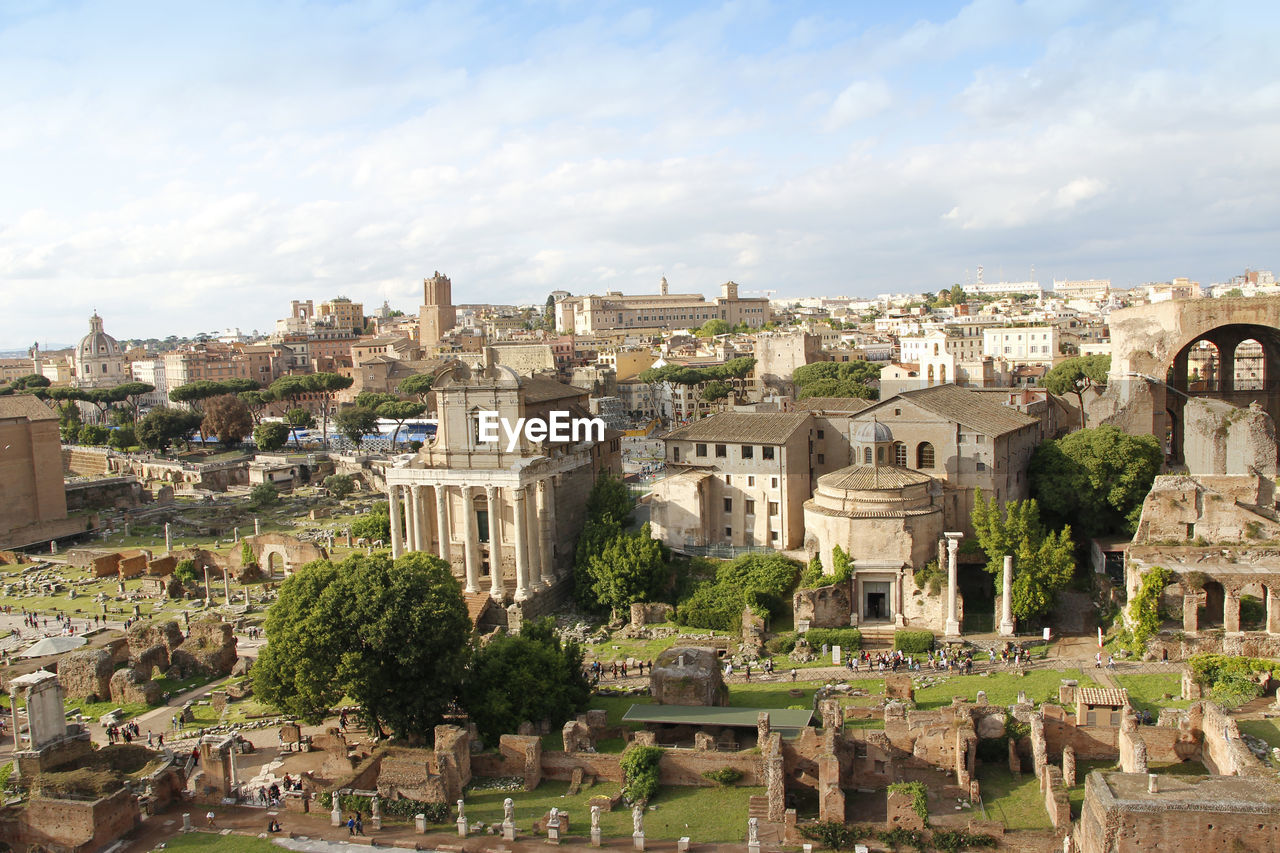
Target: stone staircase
758, 807
877, 637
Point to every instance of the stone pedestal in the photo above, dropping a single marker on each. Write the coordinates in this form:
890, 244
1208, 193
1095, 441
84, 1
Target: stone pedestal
553, 834
376, 822
335, 816
637, 840
595, 836
682, 845
420, 824
508, 830
186, 822
753, 848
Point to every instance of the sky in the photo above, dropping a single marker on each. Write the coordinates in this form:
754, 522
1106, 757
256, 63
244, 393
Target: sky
185, 168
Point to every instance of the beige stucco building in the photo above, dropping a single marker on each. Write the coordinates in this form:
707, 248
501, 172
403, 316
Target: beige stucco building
590, 315
506, 518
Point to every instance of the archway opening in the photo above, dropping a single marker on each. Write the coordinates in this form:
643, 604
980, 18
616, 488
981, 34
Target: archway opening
1253, 607
1251, 366
274, 564
1214, 598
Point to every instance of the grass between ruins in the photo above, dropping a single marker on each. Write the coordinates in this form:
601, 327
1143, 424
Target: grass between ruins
1147, 691
1015, 801
704, 814
220, 843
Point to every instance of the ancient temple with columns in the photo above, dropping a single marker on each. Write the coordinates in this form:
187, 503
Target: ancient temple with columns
506, 518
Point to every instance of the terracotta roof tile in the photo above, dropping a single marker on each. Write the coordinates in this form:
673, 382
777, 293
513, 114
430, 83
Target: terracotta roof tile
757, 427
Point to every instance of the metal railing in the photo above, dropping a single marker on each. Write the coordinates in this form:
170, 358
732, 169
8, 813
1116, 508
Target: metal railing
724, 552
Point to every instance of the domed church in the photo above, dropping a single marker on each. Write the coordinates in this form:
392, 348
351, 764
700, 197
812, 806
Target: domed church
98, 361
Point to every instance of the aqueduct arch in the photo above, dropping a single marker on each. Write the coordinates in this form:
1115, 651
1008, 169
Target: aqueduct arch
1155, 348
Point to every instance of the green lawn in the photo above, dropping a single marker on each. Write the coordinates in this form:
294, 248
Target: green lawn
704, 814
1146, 691
94, 710
771, 695
1015, 802
1268, 730
216, 843
1002, 688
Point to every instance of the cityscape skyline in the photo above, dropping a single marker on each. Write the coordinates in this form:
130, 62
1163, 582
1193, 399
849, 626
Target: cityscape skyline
196, 171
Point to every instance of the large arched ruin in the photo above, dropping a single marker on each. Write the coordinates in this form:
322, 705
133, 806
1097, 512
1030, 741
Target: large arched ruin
1161, 354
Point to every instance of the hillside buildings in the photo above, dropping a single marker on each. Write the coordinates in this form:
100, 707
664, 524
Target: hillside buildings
590, 315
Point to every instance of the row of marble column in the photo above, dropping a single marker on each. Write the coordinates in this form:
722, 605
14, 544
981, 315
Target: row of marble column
533, 522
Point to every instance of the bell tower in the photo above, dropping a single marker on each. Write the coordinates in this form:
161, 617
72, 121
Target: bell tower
437, 314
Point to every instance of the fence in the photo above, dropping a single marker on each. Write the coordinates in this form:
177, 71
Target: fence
723, 552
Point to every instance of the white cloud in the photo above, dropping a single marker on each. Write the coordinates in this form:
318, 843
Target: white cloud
861, 100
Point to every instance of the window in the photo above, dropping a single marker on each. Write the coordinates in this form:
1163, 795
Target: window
924, 455
773, 536
773, 482
728, 504
728, 533
701, 450
728, 479
750, 507
676, 453
820, 433
880, 455
751, 480
982, 466
980, 439
866, 456
821, 459
899, 454
773, 508
766, 453
748, 451
722, 451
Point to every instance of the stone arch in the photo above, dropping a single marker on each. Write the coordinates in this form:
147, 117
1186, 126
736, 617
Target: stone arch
924, 455
1151, 346
278, 549
1211, 615
1253, 606
1251, 366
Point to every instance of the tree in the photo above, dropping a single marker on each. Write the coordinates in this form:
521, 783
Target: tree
263, 495
631, 567
837, 379
715, 390
407, 640
418, 385
610, 497
162, 426
399, 411
257, 401
325, 385
1077, 375
1095, 478
298, 419
531, 677
375, 525
69, 422
122, 438
306, 627
1043, 561
227, 417
374, 399
355, 422
289, 389
713, 327
102, 399
131, 392
270, 436
340, 485
93, 434
195, 393
239, 385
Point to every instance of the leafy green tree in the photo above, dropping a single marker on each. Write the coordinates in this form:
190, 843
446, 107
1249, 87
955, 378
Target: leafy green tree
837, 379
185, 571
1077, 375
195, 393
632, 567
533, 676
161, 427
374, 525
374, 399
399, 411
103, 399
239, 385
340, 485
596, 534
418, 385
307, 629
257, 401
841, 565
93, 434
227, 417
325, 385
69, 421
270, 436
760, 581
290, 389
713, 327
122, 438
1043, 560
297, 419
264, 494
715, 391
610, 497
407, 643
131, 394
355, 422
1095, 478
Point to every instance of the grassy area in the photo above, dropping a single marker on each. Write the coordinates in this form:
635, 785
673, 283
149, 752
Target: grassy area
705, 814
5, 771
616, 706
1179, 768
1147, 691
212, 841
94, 710
250, 708
1014, 801
771, 695
1002, 688
1268, 730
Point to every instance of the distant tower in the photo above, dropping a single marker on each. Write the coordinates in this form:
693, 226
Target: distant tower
437, 315
729, 291
979, 275
662, 288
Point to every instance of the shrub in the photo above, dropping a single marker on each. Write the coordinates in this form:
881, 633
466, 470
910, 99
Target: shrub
724, 776
122, 438
93, 434
264, 494
919, 797
930, 576
913, 642
404, 808
760, 581
1230, 680
374, 525
185, 571
1143, 617
848, 639
340, 485
834, 834
246, 555
899, 837
640, 770
950, 841
781, 644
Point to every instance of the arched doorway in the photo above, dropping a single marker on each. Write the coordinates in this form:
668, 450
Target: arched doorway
1251, 366
274, 563
1210, 616
1253, 607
